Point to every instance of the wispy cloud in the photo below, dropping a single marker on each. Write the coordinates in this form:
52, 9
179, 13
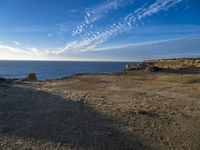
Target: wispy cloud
91, 39
176, 47
154, 47
14, 50
176, 28
23, 53
29, 29
95, 13
23, 49
50, 35
149, 43
17, 43
63, 28
73, 11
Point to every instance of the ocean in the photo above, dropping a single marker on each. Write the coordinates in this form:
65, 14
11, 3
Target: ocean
55, 69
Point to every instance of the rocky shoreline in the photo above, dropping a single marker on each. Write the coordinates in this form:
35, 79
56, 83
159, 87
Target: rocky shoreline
135, 109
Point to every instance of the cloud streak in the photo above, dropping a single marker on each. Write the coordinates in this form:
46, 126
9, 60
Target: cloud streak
149, 43
178, 47
96, 13
91, 39
14, 50
23, 49
179, 44
17, 43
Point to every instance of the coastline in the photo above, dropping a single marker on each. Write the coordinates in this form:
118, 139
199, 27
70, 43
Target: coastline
53, 70
135, 109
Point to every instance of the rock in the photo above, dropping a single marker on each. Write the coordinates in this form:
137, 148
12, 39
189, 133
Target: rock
137, 66
31, 77
152, 69
148, 66
2, 80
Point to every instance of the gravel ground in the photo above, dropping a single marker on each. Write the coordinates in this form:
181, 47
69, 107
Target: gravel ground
138, 110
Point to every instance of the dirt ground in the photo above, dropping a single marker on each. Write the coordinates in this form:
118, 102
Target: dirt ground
139, 110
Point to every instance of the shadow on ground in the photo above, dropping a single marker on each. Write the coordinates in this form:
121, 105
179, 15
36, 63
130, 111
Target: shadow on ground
180, 71
40, 117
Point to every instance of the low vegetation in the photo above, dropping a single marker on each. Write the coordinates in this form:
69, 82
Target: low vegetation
167, 65
176, 63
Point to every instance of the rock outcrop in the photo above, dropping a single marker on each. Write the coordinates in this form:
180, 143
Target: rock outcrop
137, 66
2, 80
165, 64
31, 77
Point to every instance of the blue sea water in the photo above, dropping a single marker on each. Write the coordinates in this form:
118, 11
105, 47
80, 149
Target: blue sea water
55, 69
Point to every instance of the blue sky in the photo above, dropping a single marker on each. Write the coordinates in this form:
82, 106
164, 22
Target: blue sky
107, 30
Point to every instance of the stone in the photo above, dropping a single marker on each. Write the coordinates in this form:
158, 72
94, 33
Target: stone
152, 69
31, 77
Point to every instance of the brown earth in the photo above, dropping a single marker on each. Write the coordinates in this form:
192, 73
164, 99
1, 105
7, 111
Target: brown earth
136, 110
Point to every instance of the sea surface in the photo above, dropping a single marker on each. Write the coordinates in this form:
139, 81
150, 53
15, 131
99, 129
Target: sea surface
55, 69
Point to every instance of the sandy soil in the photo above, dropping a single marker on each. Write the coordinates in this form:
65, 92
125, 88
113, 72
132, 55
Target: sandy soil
138, 110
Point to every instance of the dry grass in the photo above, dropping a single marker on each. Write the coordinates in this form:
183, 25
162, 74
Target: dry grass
189, 79
194, 91
177, 63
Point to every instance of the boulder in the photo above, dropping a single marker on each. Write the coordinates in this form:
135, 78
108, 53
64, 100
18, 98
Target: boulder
31, 77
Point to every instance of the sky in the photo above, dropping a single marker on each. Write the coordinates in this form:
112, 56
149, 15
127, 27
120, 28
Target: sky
99, 30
